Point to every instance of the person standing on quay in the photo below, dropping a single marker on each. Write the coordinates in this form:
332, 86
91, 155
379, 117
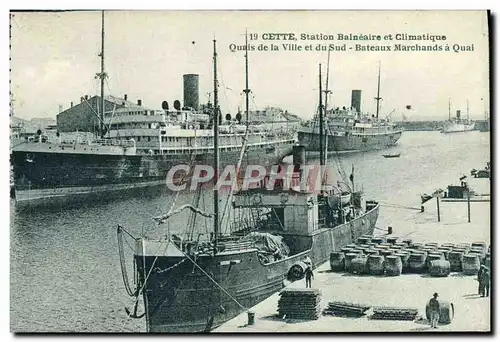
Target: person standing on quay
434, 310
484, 280
309, 275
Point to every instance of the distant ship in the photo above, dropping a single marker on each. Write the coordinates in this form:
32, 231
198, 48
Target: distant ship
138, 146
196, 283
350, 130
457, 124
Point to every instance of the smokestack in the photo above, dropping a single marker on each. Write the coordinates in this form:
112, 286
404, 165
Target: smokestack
60, 108
86, 97
71, 104
458, 114
191, 91
356, 100
125, 97
139, 102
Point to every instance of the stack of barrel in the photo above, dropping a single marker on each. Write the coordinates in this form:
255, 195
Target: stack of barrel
300, 304
391, 256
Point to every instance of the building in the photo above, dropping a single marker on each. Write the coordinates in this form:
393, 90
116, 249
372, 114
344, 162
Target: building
84, 116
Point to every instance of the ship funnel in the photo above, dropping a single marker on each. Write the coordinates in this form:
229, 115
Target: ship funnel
125, 97
458, 114
191, 91
356, 100
139, 102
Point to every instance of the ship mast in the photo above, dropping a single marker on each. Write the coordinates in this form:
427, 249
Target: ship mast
216, 152
449, 109
378, 98
246, 90
467, 110
320, 108
327, 91
102, 76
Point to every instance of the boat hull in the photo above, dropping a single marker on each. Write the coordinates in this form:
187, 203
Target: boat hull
180, 297
457, 128
45, 178
350, 142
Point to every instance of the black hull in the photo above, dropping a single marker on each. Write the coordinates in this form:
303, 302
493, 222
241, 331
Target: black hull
45, 178
184, 299
350, 143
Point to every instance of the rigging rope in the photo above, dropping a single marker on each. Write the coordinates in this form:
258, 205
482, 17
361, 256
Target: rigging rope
164, 217
121, 252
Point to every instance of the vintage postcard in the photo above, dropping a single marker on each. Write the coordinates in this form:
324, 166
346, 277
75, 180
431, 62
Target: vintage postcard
250, 171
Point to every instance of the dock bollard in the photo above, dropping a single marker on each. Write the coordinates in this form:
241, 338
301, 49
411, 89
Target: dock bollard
251, 317
389, 230
421, 208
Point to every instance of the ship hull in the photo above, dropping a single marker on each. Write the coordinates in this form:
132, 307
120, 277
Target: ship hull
179, 297
350, 142
457, 128
46, 178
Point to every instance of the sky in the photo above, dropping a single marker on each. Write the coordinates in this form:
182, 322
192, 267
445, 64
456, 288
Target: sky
54, 59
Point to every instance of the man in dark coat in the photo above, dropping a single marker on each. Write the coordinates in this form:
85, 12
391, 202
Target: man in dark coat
434, 310
309, 274
484, 280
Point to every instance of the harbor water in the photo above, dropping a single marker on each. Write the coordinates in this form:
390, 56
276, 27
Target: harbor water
64, 262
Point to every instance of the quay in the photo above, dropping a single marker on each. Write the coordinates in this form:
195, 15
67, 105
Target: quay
471, 312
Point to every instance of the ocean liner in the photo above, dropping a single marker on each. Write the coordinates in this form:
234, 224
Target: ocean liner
138, 146
457, 124
196, 284
350, 130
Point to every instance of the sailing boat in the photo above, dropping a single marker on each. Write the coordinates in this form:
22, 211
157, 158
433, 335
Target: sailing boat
351, 130
196, 285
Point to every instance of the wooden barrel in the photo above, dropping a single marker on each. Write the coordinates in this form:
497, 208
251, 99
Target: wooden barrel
380, 247
357, 251
432, 244
392, 239
351, 245
445, 252
375, 264
371, 244
363, 240
337, 263
400, 245
464, 244
345, 249
385, 244
385, 252
479, 244
416, 246
378, 239
416, 262
404, 260
297, 271
429, 249
358, 265
372, 252
478, 251
455, 258
448, 245
439, 268
470, 264
431, 257
393, 265
347, 261
446, 312
408, 242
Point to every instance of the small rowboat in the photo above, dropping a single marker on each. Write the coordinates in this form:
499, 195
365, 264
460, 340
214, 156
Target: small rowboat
392, 155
